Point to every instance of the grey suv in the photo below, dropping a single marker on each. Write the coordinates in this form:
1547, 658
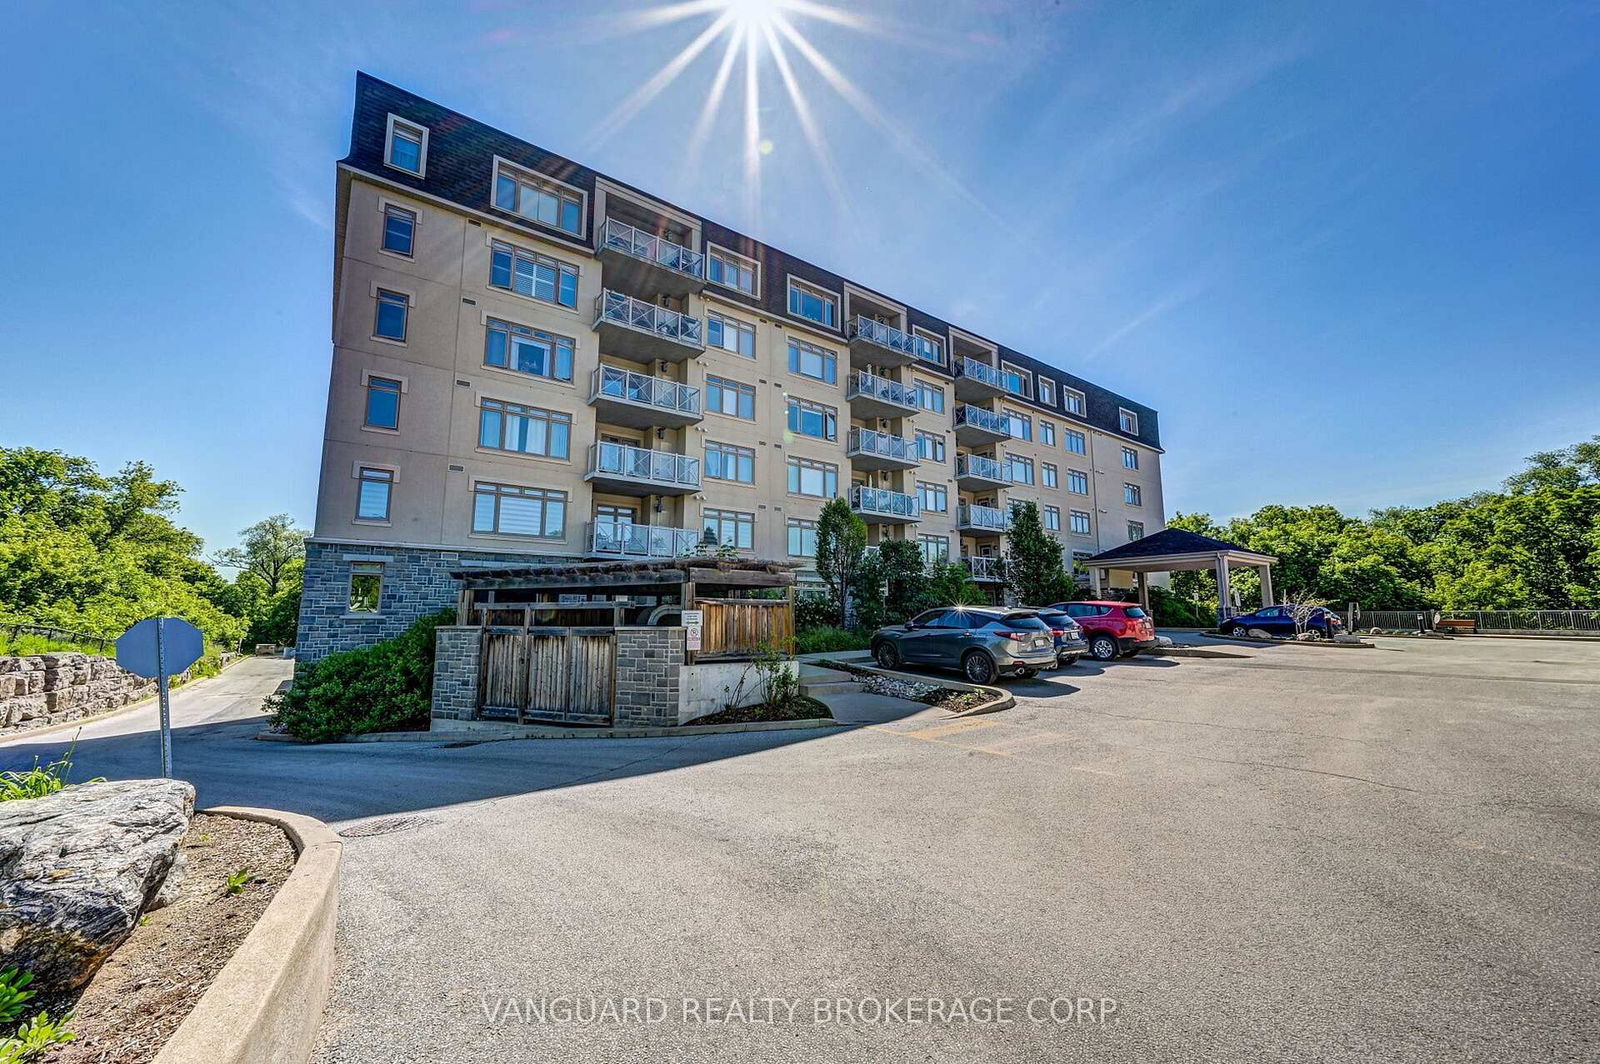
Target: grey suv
982, 641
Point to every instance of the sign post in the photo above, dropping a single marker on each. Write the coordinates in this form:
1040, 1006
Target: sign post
692, 620
156, 648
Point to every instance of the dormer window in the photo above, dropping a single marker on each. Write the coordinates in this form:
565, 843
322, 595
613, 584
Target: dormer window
813, 304
406, 146
539, 199
1128, 421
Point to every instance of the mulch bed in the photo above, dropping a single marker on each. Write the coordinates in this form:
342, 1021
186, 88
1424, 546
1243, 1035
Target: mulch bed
144, 991
802, 708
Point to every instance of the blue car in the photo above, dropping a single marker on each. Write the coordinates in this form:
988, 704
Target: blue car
1278, 622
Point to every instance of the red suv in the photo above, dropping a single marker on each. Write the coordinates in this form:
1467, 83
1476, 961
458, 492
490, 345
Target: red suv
1112, 629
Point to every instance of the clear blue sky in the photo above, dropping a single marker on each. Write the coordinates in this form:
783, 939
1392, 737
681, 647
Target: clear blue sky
1350, 251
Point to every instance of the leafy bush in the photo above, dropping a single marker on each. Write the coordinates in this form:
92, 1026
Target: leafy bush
384, 687
37, 782
813, 611
34, 1037
829, 639
1170, 611
14, 993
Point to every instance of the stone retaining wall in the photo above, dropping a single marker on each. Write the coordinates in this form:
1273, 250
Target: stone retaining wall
45, 689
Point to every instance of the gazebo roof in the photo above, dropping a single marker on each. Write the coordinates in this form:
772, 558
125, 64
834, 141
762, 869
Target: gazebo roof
1174, 549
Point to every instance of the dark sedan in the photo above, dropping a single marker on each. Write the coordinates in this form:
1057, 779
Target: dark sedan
1278, 622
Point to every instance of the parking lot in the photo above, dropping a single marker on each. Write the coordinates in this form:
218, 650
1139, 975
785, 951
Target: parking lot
1296, 853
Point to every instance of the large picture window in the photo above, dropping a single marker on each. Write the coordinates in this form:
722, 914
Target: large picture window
807, 477
813, 419
809, 360
813, 304
538, 199
802, 538
724, 396
512, 510
730, 528
724, 461
528, 273
507, 426
731, 334
530, 351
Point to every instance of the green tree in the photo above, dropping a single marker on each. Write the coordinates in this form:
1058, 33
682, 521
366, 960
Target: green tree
841, 552
1035, 571
266, 549
904, 577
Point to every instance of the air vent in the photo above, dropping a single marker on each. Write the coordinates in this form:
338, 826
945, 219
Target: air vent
469, 302
458, 469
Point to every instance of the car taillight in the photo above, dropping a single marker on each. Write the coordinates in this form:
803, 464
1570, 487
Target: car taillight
1018, 636
1058, 631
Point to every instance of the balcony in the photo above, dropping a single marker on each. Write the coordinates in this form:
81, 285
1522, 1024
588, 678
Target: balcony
643, 332
882, 506
870, 395
974, 472
977, 381
616, 539
977, 427
625, 470
879, 450
873, 343
622, 397
640, 261
973, 520
984, 569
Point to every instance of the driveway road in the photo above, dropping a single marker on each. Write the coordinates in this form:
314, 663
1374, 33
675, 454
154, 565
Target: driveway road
1298, 853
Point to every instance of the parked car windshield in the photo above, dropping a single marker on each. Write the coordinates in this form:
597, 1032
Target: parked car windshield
1022, 622
1134, 612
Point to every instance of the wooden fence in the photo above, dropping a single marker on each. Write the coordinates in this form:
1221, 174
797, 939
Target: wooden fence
732, 627
565, 675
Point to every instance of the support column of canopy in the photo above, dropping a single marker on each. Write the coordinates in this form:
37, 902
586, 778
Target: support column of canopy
1143, 579
1266, 585
1224, 592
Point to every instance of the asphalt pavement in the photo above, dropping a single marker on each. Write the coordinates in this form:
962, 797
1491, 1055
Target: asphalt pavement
1293, 854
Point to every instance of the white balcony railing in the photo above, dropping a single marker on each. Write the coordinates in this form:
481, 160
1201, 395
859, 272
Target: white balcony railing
990, 518
868, 441
978, 371
609, 382
637, 463
976, 465
982, 567
865, 385
618, 309
630, 240
979, 418
883, 335
623, 539
883, 501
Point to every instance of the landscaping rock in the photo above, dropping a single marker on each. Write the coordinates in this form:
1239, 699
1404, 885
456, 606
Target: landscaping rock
77, 868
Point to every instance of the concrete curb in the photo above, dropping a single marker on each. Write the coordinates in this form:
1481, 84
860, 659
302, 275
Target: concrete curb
1190, 652
265, 1006
1325, 643
68, 725
492, 730
999, 697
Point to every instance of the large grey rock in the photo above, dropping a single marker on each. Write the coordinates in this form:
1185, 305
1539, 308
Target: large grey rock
77, 868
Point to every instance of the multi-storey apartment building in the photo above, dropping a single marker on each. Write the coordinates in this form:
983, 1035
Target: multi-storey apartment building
531, 359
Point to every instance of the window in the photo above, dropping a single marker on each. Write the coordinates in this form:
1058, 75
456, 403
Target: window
506, 426
509, 510
731, 334
813, 419
930, 397
407, 146
1132, 495
1047, 392
1052, 519
1019, 469
1018, 424
724, 461
1128, 421
730, 397
1130, 458
383, 403
393, 310
1050, 475
808, 360
1135, 530
927, 348
1072, 401
1016, 381
934, 497
802, 538
372, 496
731, 271
1077, 482
538, 199
1080, 522
530, 351
807, 477
530, 274
1076, 443
730, 528
399, 229
366, 586
935, 549
813, 304
930, 447
1047, 433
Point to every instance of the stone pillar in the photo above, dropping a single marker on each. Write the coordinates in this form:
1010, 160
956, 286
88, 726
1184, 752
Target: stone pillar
1224, 591
1143, 581
1266, 585
1094, 579
457, 661
649, 664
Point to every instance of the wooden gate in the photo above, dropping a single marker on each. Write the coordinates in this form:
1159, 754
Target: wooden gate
736, 627
558, 675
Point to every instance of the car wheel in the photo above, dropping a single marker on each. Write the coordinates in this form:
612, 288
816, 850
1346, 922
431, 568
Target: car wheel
1238, 631
887, 655
1102, 647
1314, 634
977, 667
